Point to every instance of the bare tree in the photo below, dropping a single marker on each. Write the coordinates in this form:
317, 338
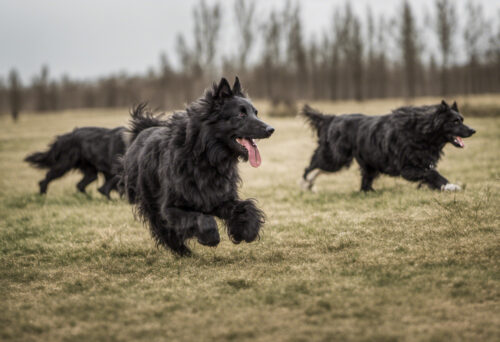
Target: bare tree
349, 40
408, 42
207, 21
356, 57
271, 54
381, 70
244, 12
3, 96
370, 39
53, 96
15, 96
445, 24
296, 51
474, 37
493, 56
40, 87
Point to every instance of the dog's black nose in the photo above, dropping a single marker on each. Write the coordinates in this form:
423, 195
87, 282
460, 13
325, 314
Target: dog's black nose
472, 131
269, 130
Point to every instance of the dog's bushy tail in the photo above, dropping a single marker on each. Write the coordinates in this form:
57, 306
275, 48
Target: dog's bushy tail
316, 119
40, 160
47, 159
143, 118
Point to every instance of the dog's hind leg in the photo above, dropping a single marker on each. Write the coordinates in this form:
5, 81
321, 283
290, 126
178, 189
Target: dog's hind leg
323, 160
89, 175
110, 183
367, 177
308, 178
54, 173
243, 220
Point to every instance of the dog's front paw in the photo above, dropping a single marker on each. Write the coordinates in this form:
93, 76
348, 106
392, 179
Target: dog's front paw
245, 223
450, 187
207, 234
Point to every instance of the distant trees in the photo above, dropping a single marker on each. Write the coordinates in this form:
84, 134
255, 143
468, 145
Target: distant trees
3, 96
207, 21
15, 96
351, 48
445, 24
474, 39
244, 12
40, 88
408, 43
356, 57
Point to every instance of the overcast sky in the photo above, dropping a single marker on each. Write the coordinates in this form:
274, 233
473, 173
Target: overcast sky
91, 38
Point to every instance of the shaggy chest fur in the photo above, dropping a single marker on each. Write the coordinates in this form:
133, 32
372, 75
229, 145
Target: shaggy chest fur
190, 181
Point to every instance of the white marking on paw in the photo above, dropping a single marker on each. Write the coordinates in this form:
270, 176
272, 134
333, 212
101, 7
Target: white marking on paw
308, 183
305, 185
313, 175
450, 187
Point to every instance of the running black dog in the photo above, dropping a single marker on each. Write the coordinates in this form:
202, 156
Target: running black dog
181, 172
408, 143
88, 149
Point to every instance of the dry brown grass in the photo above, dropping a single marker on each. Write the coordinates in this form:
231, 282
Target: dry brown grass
398, 264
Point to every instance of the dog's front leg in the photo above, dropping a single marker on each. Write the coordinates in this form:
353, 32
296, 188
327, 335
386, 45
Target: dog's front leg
243, 220
189, 224
430, 177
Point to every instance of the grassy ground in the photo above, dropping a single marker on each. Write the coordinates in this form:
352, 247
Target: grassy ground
399, 264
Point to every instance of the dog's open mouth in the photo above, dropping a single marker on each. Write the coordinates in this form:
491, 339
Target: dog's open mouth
458, 142
252, 149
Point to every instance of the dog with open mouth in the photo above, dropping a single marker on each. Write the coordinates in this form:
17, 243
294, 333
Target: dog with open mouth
408, 143
182, 171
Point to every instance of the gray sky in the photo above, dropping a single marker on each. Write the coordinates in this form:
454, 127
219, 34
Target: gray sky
90, 38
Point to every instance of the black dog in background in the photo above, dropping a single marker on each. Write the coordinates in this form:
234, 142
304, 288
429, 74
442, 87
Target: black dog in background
88, 149
408, 143
182, 172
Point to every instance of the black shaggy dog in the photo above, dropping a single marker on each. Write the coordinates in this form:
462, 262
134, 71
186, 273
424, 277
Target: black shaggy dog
88, 149
408, 143
182, 172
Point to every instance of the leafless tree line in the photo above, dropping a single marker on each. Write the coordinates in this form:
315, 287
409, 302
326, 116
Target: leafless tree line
358, 57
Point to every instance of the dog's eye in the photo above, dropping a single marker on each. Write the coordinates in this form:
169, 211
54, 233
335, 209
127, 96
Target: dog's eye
457, 122
243, 111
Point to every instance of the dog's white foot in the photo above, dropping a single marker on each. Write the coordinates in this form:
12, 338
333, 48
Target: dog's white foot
306, 185
450, 187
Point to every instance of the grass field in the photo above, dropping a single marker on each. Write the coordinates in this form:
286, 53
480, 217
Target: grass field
399, 264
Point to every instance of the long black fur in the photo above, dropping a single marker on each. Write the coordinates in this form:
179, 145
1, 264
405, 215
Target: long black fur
182, 171
408, 143
88, 149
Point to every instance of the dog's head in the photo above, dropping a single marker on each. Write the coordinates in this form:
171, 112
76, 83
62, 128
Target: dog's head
236, 121
450, 123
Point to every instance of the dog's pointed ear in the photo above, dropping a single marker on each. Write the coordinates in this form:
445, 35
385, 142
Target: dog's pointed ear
443, 107
454, 106
237, 87
223, 89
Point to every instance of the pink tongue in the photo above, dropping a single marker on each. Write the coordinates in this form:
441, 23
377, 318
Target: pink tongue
460, 141
253, 152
